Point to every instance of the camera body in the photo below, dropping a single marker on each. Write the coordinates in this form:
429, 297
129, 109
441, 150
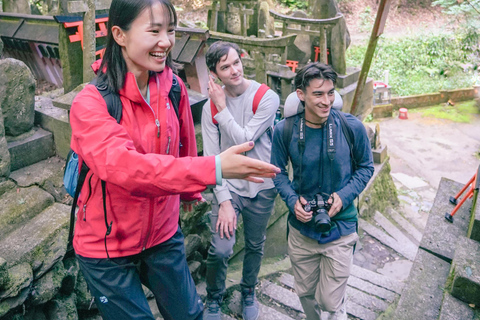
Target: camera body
320, 207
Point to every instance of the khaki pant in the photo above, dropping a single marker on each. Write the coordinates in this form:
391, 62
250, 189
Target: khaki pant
321, 271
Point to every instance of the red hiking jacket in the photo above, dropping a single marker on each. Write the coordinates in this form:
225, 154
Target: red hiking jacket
141, 163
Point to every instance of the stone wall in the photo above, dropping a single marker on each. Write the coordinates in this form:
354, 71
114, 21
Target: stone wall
430, 99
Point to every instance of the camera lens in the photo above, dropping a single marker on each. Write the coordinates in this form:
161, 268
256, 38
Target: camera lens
322, 221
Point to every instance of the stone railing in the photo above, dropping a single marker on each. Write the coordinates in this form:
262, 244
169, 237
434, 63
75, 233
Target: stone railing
316, 27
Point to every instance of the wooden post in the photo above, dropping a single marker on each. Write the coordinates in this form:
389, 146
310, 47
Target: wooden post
88, 8
372, 44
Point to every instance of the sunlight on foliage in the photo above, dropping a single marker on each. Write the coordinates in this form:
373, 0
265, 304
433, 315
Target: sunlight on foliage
423, 64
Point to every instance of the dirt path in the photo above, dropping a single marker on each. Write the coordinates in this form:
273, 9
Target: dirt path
431, 148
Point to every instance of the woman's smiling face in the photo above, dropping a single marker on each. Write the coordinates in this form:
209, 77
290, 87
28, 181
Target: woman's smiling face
146, 45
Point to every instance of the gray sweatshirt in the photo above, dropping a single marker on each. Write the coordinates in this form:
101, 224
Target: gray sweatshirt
237, 124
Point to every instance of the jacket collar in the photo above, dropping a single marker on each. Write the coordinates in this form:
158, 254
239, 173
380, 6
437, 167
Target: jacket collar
164, 79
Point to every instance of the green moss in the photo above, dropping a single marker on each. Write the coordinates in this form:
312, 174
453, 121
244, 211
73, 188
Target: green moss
4, 308
449, 282
390, 311
462, 112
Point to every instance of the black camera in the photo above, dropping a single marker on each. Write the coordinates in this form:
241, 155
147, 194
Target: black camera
320, 208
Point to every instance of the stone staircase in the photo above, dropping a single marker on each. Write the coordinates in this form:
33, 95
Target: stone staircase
405, 267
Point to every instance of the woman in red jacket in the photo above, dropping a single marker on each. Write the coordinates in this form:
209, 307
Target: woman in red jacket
149, 164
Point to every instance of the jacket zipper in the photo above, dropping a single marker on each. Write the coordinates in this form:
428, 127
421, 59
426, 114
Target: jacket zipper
157, 149
88, 197
150, 217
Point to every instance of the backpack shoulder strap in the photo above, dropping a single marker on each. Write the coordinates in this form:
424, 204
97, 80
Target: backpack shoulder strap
112, 98
288, 131
214, 111
175, 95
258, 96
348, 133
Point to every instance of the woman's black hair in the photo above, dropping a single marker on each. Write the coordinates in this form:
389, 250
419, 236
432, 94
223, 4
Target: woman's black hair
113, 68
314, 70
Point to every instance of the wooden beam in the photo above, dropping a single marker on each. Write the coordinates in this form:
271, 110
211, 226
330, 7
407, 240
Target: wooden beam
372, 44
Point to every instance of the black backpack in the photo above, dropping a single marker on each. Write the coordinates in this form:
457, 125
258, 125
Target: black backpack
114, 106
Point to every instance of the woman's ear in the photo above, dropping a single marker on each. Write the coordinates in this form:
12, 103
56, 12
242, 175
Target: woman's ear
118, 36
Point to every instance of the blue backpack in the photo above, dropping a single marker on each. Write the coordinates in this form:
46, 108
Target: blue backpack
74, 180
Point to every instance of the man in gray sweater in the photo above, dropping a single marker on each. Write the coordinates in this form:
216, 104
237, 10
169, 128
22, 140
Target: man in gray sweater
242, 110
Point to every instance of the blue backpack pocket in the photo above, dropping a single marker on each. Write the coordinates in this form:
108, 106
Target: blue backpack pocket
70, 176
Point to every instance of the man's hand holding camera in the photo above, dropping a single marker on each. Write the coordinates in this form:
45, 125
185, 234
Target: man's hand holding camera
300, 213
334, 201
336, 204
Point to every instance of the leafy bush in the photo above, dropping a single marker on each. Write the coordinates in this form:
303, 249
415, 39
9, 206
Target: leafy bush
423, 64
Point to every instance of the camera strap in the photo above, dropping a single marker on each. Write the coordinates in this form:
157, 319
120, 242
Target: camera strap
331, 142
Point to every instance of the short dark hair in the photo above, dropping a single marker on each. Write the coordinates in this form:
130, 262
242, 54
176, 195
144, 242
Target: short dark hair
217, 50
122, 14
314, 70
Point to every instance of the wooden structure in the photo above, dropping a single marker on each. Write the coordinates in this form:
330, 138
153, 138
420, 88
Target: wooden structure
318, 28
189, 50
33, 39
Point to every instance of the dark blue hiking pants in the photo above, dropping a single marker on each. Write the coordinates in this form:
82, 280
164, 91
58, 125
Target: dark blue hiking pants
116, 283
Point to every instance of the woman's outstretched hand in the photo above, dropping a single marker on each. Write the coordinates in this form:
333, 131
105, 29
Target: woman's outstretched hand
237, 166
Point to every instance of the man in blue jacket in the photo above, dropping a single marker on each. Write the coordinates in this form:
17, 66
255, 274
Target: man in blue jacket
329, 172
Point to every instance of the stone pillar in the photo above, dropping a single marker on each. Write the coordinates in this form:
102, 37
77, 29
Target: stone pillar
4, 154
89, 41
17, 96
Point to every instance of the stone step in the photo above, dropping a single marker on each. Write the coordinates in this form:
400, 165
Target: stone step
440, 236
19, 205
396, 233
475, 228
281, 295
377, 279
360, 312
466, 271
265, 312
360, 304
41, 242
54, 119
407, 249
48, 174
453, 308
354, 282
365, 300
406, 225
372, 289
33, 148
422, 297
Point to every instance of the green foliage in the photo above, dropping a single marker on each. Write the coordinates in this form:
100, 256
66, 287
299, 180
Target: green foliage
423, 64
460, 112
295, 4
466, 10
366, 20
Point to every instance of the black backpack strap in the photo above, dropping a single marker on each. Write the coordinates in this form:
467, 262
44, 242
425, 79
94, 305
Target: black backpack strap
348, 133
175, 95
81, 179
288, 131
112, 98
